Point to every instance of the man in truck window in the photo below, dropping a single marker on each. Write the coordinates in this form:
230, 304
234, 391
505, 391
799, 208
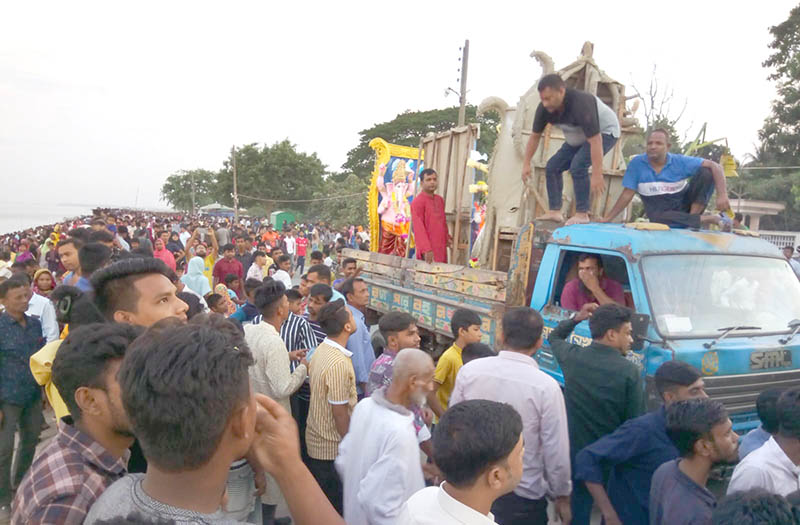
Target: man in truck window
591, 285
590, 130
602, 388
675, 189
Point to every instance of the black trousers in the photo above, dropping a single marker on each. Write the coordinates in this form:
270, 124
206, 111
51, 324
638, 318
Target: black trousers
300, 402
674, 210
325, 474
511, 509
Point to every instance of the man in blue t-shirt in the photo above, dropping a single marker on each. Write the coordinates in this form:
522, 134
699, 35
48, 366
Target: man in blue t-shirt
675, 189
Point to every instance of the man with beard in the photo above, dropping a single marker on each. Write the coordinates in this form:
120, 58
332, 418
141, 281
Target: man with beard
379, 460
90, 451
591, 285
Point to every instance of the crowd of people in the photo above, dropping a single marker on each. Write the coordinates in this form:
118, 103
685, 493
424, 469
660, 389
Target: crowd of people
216, 371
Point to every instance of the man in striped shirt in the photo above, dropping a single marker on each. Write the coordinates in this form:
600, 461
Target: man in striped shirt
333, 398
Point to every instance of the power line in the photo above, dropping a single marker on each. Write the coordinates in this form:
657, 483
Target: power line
770, 168
305, 200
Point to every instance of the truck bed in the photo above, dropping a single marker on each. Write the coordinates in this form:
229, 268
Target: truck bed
432, 292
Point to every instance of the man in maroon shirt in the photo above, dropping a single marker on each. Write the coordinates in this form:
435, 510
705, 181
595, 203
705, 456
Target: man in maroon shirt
228, 264
591, 285
428, 220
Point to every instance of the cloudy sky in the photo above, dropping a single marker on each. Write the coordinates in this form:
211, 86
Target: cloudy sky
101, 101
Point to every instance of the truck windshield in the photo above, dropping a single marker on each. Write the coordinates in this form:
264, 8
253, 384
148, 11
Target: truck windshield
695, 295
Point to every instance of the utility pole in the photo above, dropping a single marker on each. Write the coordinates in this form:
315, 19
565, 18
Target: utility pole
192, 172
462, 111
235, 191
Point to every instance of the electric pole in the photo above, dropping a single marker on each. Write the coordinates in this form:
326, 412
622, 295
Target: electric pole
462, 111
235, 192
192, 172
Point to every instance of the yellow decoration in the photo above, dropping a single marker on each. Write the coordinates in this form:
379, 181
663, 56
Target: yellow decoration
383, 155
728, 165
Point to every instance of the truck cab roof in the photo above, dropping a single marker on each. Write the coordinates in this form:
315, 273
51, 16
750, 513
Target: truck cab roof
635, 240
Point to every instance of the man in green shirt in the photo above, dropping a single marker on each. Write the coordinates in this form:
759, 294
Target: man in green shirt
602, 389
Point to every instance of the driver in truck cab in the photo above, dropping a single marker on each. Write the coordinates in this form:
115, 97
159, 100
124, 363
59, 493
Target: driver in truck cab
591, 285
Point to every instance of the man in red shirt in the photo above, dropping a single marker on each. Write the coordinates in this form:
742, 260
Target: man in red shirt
229, 264
427, 218
301, 246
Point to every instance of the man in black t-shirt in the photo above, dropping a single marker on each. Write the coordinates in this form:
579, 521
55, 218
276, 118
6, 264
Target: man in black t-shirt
590, 130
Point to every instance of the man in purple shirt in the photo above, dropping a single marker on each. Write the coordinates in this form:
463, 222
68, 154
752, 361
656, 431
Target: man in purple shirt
514, 377
591, 285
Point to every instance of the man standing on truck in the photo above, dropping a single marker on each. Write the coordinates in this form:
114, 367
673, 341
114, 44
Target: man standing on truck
601, 387
675, 189
590, 130
427, 218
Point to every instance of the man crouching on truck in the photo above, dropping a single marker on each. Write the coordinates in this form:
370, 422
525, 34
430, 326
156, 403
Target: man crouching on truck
675, 189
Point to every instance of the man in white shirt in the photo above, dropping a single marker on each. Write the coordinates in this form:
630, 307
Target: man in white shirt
513, 377
379, 460
775, 466
284, 263
259, 269
478, 446
291, 246
41, 308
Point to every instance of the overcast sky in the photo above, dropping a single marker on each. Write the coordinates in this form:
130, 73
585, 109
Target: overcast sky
102, 100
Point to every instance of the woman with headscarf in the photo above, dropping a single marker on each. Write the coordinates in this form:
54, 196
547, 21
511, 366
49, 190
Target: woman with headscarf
174, 243
43, 282
165, 255
194, 279
222, 290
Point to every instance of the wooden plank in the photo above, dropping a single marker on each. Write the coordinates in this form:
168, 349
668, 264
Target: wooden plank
519, 269
494, 292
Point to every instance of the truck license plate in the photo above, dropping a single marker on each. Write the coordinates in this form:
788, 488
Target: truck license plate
770, 359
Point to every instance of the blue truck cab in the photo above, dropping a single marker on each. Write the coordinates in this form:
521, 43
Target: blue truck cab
727, 303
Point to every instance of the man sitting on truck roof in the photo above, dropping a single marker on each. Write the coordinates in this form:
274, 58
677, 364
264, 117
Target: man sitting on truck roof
591, 285
675, 189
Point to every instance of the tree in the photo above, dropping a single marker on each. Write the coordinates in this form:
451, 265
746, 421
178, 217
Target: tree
780, 135
408, 128
349, 208
657, 104
267, 173
177, 190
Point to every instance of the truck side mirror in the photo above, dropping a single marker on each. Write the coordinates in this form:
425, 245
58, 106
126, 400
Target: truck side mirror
640, 323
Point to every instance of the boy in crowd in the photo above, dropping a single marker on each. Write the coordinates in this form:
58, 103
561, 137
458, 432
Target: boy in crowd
248, 311
478, 447
466, 327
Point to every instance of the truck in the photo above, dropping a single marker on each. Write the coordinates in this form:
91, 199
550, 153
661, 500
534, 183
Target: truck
727, 303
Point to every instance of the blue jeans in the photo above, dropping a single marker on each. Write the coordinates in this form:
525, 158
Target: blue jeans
578, 160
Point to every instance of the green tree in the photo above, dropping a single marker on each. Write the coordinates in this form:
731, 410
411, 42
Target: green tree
345, 202
780, 135
406, 129
265, 173
177, 190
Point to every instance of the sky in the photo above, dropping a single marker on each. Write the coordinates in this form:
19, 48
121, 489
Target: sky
101, 101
